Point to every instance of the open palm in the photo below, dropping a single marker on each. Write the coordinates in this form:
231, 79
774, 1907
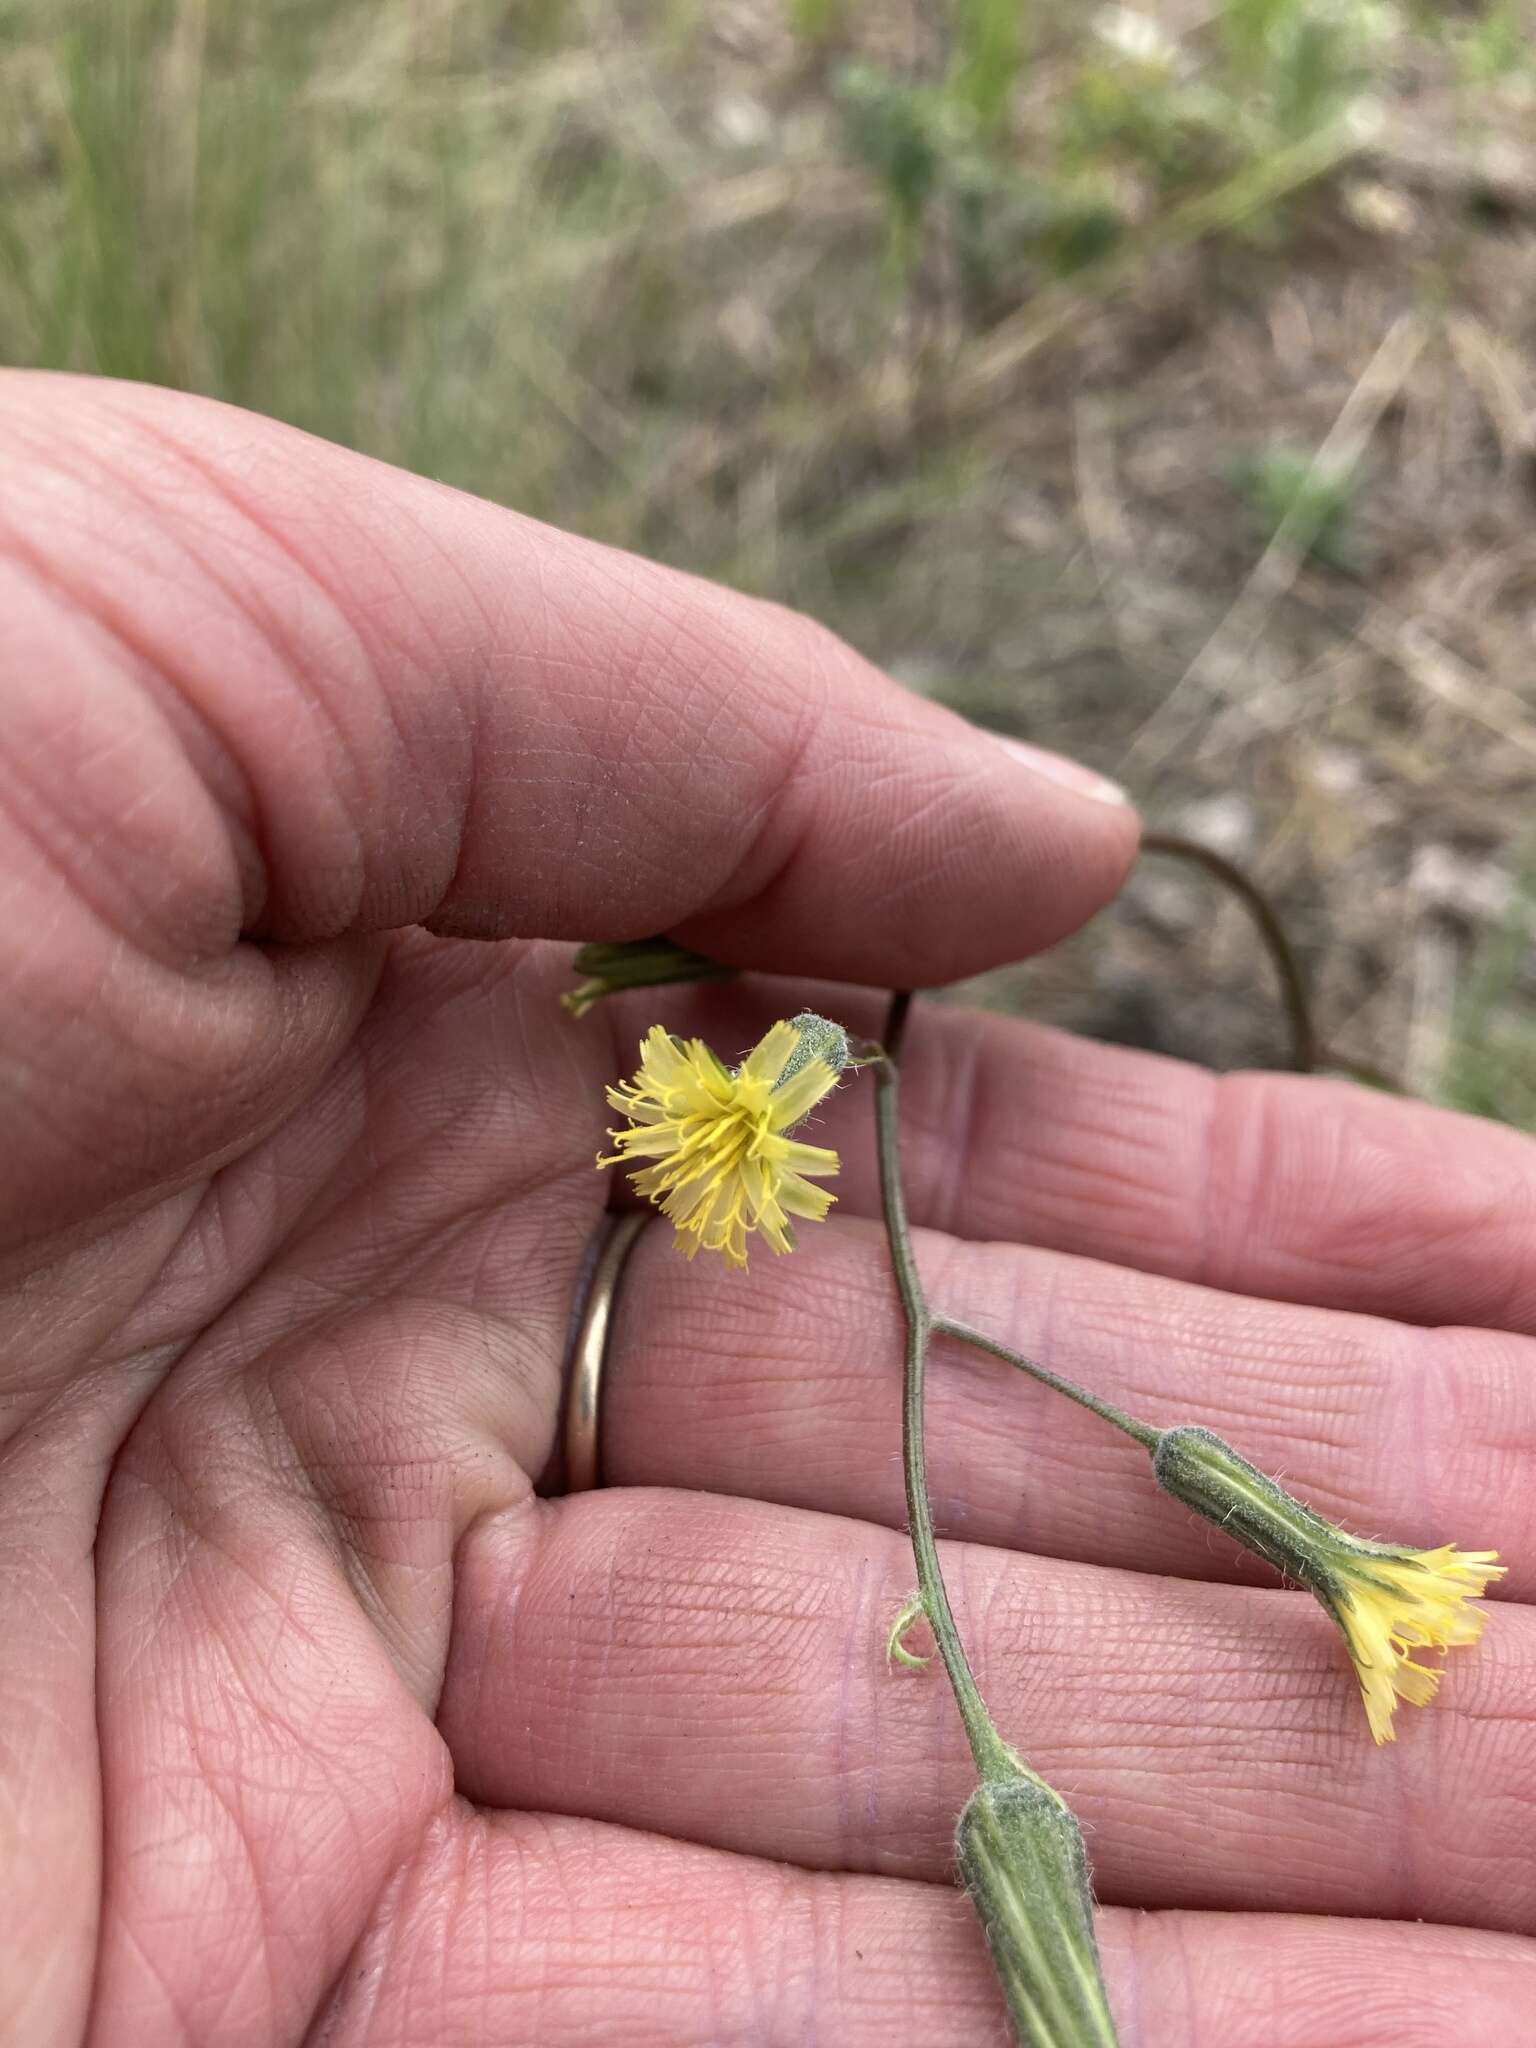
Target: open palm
317, 1721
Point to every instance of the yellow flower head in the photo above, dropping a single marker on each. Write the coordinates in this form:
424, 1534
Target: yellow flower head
725, 1164
1387, 1601
1392, 1602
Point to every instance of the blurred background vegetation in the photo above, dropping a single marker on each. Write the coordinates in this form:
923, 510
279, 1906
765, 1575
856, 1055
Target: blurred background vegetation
1153, 382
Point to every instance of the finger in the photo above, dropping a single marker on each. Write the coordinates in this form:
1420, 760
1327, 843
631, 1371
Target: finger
262, 685
1295, 1188
786, 1389
716, 1670
1300, 1188
511, 1928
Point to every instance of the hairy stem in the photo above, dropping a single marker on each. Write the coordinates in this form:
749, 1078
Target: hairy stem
1143, 1432
1293, 986
987, 1746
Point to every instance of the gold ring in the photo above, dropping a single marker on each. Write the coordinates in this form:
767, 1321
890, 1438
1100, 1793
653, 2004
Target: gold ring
589, 1354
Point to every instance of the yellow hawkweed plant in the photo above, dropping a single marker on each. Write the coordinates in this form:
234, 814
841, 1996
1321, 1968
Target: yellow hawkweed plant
720, 1163
1387, 1600
724, 1162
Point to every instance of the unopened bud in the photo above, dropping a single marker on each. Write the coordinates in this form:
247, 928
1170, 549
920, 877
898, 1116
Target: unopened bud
1021, 1855
635, 963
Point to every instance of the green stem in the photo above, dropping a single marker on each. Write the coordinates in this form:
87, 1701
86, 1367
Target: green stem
987, 1746
1019, 1848
1144, 1434
1293, 986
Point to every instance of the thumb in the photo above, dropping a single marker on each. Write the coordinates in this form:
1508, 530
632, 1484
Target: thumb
261, 689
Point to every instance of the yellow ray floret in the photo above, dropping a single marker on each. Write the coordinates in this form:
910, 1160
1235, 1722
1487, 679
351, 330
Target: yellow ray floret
1390, 1603
724, 1164
1387, 1600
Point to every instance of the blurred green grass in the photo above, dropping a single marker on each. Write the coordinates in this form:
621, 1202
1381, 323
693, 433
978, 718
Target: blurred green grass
842, 304
589, 258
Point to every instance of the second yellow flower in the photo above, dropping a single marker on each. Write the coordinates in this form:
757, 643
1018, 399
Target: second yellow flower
724, 1162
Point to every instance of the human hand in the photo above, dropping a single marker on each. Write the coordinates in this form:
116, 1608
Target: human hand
317, 1722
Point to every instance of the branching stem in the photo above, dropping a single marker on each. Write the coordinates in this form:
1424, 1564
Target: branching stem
923, 1325
987, 1746
1143, 1432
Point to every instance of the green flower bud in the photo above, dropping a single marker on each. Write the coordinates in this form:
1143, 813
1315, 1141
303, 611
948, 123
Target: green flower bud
1021, 1856
636, 963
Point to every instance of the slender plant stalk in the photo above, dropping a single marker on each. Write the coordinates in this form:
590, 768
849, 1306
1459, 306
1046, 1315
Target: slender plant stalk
1293, 986
1018, 1846
1308, 1050
987, 1746
1143, 1432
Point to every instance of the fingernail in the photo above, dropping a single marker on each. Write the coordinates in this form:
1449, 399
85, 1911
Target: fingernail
1070, 774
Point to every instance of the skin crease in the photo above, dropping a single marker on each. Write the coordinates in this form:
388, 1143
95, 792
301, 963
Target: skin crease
319, 1720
